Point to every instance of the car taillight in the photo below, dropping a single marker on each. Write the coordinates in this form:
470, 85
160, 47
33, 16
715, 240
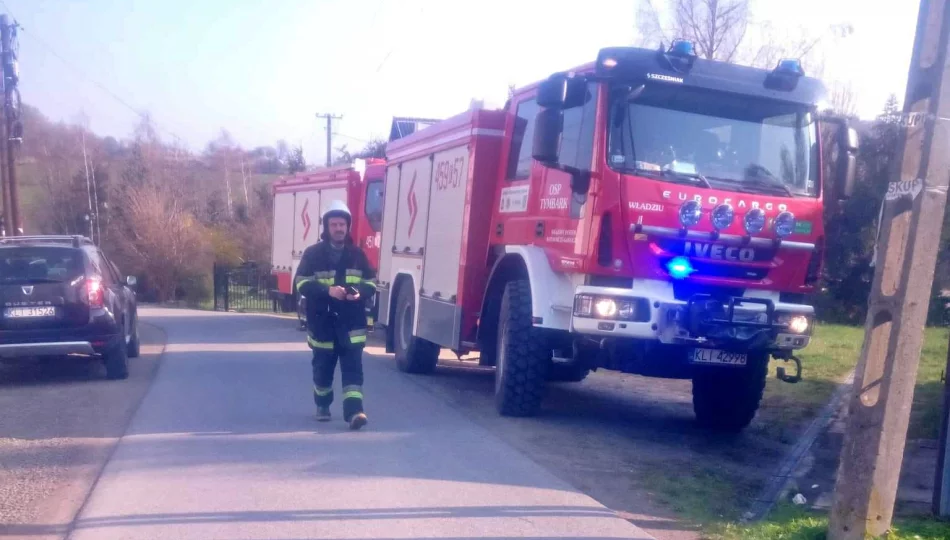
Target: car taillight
94, 292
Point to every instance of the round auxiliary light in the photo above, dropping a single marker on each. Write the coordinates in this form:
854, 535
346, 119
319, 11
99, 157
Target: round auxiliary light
754, 221
784, 224
690, 213
722, 216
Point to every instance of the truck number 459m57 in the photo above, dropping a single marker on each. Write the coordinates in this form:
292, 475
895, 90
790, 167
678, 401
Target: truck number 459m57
448, 174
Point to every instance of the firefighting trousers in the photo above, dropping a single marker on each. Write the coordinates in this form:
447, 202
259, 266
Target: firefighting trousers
351, 370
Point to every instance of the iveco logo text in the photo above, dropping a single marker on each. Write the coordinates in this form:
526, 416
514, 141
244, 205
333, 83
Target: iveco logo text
713, 200
665, 78
720, 252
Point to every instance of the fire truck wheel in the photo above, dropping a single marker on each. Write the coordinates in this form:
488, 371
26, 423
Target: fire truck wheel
413, 354
726, 399
523, 358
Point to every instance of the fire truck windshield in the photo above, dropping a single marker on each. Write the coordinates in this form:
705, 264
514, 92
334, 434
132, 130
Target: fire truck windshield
740, 143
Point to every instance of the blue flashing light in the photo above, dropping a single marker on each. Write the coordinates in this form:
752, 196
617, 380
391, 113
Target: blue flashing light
680, 268
682, 47
791, 66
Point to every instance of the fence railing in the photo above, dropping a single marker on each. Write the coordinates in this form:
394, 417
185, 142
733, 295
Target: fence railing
249, 287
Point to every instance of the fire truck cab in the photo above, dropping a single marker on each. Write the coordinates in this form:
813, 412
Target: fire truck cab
653, 213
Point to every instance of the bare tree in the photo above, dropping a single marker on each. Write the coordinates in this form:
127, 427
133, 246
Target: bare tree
163, 237
843, 99
716, 27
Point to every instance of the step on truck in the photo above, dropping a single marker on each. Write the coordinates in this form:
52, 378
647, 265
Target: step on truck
651, 213
299, 202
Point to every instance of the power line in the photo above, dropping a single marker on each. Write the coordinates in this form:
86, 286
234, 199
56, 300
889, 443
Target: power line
36, 38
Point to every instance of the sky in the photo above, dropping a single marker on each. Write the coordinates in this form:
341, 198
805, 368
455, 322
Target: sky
262, 69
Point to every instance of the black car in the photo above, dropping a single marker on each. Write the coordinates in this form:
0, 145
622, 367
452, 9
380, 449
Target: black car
61, 296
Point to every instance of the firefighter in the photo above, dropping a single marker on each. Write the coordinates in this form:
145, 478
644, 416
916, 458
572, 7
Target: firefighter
335, 278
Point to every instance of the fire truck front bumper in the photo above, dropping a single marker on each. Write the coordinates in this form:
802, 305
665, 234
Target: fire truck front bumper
654, 314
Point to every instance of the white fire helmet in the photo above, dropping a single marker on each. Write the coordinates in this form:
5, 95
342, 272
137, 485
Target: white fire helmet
337, 209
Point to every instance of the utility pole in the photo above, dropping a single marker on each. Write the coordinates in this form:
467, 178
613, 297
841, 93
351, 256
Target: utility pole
10, 78
879, 409
330, 118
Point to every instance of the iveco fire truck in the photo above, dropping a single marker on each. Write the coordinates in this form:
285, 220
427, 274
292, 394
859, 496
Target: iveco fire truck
300, 200
654, 213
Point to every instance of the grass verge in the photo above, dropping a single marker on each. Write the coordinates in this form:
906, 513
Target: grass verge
793, 523
713, 496
832, 354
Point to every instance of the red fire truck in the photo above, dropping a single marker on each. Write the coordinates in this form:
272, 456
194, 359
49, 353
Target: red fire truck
653, 213
299, 201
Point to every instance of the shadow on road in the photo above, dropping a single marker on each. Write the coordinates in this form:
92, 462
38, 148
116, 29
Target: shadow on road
252, 517
50, 371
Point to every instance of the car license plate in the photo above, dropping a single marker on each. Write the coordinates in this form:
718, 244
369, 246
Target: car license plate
715, 356
29, 312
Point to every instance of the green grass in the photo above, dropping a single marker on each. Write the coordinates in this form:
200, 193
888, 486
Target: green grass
832, 354
712, 497
703, 493
793, 523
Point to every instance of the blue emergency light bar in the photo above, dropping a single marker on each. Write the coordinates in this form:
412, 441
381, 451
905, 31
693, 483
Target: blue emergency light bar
682, 47
790, 66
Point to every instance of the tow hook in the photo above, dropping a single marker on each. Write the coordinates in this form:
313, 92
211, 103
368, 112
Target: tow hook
791, 379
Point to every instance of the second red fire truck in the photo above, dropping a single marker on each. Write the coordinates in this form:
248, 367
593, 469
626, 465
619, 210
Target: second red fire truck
653, 213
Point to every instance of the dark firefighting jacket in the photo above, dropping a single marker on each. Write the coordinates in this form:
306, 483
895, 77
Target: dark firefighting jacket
330, 320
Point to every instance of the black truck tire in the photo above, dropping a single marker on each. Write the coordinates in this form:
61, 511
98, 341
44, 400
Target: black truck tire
523, 358
727, 398
413, 354
116, 360
133, 349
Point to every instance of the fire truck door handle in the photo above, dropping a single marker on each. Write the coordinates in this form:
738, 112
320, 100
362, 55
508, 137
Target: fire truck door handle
539, 229
499, 229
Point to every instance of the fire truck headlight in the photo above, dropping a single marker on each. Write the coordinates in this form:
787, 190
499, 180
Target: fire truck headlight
798, 324
754, 221
606, 308
722, 216
784, 224
690, 213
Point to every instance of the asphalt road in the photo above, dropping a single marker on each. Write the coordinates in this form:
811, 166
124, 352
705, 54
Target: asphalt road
59, 422
225, 445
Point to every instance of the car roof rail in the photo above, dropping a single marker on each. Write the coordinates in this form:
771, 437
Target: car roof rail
77, 240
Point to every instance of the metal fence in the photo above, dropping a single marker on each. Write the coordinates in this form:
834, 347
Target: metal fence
249, 287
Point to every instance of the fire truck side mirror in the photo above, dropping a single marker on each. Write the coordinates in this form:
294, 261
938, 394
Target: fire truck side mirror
547, 137
561, 91
546, 148
847, 163
846, 142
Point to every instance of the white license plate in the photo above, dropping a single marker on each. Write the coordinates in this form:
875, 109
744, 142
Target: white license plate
715, 356
29, 312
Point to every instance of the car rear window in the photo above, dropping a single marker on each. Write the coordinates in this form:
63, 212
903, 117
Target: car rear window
40, 264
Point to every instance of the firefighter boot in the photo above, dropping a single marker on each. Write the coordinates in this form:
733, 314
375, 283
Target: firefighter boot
323, 414
358, 421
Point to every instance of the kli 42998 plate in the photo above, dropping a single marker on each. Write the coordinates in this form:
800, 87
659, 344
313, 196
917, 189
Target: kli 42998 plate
718, 357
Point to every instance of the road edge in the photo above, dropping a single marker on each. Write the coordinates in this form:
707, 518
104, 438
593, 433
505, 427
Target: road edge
71, 527
785, 472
